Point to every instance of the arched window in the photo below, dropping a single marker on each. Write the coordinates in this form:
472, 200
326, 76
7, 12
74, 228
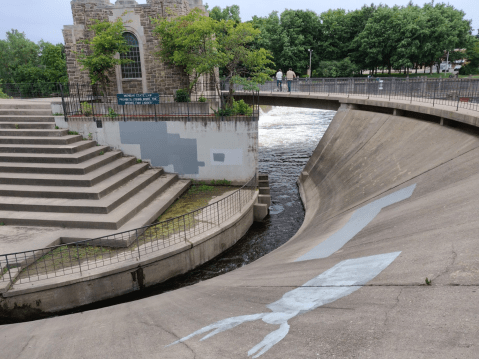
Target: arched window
131, 70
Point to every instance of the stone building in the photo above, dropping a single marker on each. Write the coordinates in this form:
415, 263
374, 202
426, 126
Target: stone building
146, 73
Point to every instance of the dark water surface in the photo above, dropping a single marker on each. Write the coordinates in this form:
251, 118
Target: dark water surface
287, 138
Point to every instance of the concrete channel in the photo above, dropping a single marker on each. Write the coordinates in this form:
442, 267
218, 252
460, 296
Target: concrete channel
401, 188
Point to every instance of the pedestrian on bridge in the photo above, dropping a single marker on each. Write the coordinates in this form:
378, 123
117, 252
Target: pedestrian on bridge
290, 75
279, 80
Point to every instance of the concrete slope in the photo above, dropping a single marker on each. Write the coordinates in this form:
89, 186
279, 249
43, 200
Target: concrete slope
402, 194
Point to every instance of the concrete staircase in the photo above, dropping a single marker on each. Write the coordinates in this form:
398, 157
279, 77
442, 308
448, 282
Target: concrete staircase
51, 178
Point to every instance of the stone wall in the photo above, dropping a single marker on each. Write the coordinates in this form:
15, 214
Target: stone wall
156, 76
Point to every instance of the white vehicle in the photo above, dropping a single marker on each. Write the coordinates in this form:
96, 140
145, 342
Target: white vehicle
444, 66
457, 67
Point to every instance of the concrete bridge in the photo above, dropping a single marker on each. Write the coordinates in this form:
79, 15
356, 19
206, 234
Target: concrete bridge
384, 265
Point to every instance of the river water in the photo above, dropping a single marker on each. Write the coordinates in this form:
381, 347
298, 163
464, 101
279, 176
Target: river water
287, 138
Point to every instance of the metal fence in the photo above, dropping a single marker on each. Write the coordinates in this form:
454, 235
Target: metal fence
205, 100
457, 93
32, 90
78, 257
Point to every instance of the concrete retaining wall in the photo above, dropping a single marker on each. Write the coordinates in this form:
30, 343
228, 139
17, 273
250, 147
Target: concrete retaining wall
67, 292
202, 149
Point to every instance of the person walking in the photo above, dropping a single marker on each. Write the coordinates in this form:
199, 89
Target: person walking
290, 75
279, 80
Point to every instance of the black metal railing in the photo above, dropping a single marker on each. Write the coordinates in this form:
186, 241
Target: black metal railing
454, 93
204, 100
132, 245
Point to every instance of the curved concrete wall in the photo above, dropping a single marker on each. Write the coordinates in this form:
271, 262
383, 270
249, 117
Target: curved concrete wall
399, 195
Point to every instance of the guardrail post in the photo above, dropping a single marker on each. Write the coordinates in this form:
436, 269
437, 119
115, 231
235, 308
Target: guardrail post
458, 93
78, 256
434, 98
137, 243
184, 226
63, 104
218, 212
8, 268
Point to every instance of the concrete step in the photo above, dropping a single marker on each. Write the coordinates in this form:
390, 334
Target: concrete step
113, 220
27, 106
35, 140
65, 149
27, 125
54, 157
87, 180
61, 168
35, 133
25, 112
101, 206
68, 158
27, 118
97, 191
145, 217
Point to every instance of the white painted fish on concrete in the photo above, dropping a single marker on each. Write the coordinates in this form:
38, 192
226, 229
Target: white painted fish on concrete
343, 279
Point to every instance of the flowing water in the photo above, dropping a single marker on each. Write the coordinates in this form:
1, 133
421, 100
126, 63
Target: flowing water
287, 138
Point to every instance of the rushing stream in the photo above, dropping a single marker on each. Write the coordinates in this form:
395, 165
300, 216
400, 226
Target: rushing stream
287, 137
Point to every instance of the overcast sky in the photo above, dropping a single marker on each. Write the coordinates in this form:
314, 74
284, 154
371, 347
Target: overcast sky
44, 19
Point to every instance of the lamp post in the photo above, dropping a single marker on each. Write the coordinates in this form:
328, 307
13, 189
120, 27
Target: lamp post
310, 70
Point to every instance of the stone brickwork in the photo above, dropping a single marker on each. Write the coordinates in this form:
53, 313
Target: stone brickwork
156, 76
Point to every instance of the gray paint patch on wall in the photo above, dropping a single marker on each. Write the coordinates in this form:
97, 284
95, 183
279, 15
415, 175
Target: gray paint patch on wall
230, 156
162, 148
219, 157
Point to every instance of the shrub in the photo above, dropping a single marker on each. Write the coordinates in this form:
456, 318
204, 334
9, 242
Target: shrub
182, 95
469, 70
202, 99
238, 108
112, 113
242, 108
86, 108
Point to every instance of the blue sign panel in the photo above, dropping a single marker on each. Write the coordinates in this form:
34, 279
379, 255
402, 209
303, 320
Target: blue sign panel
138, 98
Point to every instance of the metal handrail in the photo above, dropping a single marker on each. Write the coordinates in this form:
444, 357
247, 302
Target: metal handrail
77, 257
453, 92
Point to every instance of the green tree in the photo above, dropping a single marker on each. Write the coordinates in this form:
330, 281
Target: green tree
17, 51
342, 68
54, 62
189, 42
472, 55
101, 59
228, 13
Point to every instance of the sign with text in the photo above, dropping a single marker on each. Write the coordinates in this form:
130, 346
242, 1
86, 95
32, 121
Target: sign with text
138, 98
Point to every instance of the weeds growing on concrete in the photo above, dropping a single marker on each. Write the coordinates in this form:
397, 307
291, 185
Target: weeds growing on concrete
71, 133
139, 160
428, 281
102, 152
16, 126
56, 127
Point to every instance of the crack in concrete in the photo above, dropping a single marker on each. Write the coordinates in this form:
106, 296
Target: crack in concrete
171, 333
393, 307
25, 346
449, 266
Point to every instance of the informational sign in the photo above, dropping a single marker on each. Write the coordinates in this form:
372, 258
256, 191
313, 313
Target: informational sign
138, 99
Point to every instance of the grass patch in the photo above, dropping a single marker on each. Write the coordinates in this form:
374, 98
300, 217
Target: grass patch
64, 257
197, 197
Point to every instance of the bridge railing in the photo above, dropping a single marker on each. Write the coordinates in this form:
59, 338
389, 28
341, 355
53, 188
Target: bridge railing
107, 251
457, 93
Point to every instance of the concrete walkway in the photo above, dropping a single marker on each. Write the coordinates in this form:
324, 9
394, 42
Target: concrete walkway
401, 195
